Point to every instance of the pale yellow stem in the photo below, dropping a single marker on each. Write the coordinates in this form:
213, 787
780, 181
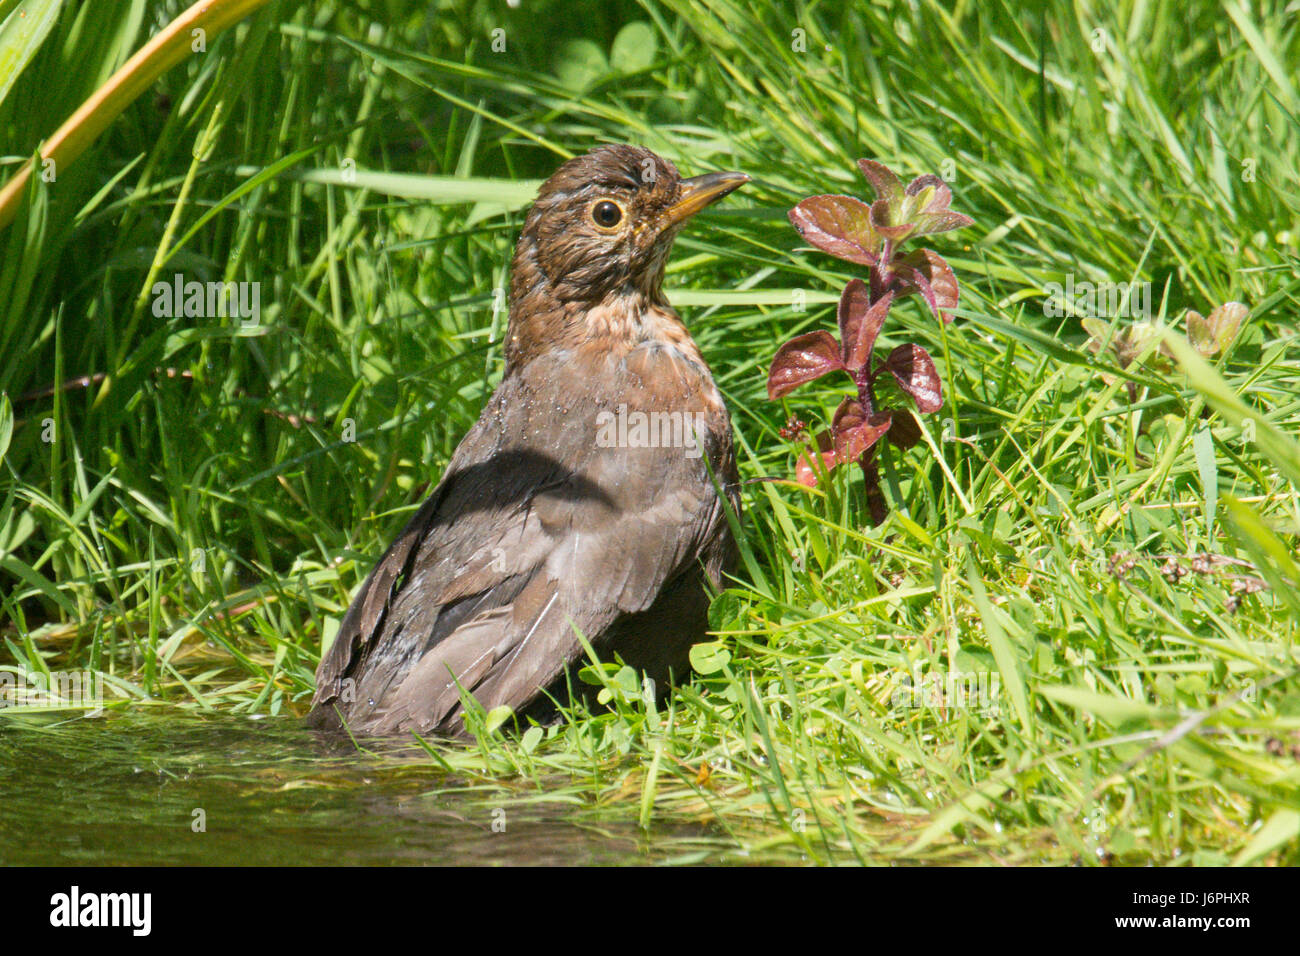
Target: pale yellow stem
168, 47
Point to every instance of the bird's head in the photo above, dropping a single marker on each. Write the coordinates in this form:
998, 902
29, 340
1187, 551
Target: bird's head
602, 227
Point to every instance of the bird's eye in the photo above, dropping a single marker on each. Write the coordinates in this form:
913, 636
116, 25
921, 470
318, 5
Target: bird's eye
606, 213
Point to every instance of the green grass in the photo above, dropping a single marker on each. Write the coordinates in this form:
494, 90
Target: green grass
197, 524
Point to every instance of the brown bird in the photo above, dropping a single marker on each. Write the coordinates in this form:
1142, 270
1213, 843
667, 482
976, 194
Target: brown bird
588, 499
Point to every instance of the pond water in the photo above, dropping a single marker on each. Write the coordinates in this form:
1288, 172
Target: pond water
124, 790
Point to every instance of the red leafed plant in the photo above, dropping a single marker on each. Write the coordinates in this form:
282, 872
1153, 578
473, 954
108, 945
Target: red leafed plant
872, 236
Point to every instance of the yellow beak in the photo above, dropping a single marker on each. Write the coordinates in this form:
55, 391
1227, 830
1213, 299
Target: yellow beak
701, 191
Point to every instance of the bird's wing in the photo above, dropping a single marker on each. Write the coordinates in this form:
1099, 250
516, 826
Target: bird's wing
518, 547
465, 545
597, 572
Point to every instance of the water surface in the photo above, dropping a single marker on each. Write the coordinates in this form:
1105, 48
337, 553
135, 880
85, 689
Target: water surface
124, 790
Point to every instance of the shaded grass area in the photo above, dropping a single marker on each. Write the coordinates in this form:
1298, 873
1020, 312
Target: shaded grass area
187, 502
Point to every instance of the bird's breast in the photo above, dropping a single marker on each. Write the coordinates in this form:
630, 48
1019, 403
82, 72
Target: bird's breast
644, 346
630, 419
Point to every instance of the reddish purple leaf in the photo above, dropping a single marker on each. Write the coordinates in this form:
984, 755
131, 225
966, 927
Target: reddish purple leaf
927, 224
939, 201
926, 272
930, 213
887, 186
804, 471
855, 300
805, 474
855, 431
802, 359
883, 221
840, 225
904, 432
848, 416
915, 373
860, 323
915, 281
